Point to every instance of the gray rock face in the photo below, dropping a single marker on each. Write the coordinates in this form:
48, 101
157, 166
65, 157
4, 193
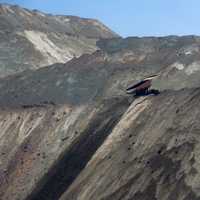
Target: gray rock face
32, 39
70, 132
152, 153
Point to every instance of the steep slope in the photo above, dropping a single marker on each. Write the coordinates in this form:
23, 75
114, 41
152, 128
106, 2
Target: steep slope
48, 142
61, 123
152, 153
32, 39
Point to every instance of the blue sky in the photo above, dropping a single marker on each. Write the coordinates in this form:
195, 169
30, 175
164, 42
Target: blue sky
129, 17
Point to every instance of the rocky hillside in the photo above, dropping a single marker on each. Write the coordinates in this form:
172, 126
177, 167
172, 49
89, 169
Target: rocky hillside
108, 72
32, 39
151, 153
69, 131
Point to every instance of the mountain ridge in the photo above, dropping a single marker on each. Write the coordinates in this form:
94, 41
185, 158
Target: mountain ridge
32, 39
